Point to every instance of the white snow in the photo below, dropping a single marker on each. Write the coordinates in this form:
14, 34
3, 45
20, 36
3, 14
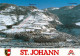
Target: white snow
54, 8
9, 19
37, 10
78, 23
15, 30
34, 27
2, 38
6, 19
24, 21
30, 23
43, 27
41, 23
21, 17
69, 40
58, 21
21, 9
29, 29
9, 9
2, 27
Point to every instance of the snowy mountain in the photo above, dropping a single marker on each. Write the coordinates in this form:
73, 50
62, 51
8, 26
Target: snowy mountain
28, 23
16, 14
11, 14
53, 8
67, 7
69, 16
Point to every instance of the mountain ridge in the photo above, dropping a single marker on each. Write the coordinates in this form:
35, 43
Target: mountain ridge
30, 23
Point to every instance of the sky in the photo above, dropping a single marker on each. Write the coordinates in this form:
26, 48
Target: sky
42, 4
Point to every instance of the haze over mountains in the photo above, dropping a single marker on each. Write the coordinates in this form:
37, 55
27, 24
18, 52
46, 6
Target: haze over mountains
31, 24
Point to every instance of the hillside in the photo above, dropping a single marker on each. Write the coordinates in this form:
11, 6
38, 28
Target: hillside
30, 24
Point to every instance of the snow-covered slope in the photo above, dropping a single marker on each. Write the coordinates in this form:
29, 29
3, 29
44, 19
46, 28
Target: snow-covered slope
11, 14
53, 8
78, 23
30, 22
34, 20
9, 19
9, 9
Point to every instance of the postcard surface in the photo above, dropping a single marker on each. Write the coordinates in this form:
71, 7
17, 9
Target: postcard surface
42, 27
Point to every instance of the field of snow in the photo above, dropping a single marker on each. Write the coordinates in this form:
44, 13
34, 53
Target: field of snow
2, 27
78, 23
15, 30
9, 20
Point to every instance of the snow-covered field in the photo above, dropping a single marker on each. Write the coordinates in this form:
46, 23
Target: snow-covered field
2, 27
9, 20
78, 23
